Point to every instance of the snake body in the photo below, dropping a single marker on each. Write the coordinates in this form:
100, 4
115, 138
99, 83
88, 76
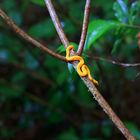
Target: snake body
81, 68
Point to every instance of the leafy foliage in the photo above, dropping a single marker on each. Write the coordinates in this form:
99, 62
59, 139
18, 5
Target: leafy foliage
98, 28
47, 32
41, 99
121, 11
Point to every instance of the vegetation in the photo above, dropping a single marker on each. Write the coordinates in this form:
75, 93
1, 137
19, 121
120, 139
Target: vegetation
42, 97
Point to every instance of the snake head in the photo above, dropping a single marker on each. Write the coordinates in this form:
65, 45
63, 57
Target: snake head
70, 47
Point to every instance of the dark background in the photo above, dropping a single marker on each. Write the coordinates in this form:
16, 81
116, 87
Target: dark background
40, 99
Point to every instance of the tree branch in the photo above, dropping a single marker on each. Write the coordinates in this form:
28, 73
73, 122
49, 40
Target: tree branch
96, 94
26, 37
106, 107
84, 28
116, 62
57, 23
91, 87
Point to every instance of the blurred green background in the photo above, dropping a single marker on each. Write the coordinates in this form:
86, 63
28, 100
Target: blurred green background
42, 98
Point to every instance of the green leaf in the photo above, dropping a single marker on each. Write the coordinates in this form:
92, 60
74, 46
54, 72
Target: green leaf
39, 2
97, 28
121, 11
43, 29
134, 10
61, 49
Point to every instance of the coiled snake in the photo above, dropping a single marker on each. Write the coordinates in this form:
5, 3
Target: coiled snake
81, 68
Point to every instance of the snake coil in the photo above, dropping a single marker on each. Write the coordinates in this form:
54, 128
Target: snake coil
81, 68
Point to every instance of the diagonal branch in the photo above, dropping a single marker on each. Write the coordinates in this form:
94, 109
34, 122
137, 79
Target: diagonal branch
57, 23
84, 28
96, 58
91, 87
26, 37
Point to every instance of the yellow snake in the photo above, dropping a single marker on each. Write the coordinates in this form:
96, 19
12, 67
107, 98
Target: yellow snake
81, 68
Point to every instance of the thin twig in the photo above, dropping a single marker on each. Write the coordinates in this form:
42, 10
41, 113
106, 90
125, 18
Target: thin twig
57, 23
119, 63
91, 87
84, 28
131, 26
116, 62
26, 37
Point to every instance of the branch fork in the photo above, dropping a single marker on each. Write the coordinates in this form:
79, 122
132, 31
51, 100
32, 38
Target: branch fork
91, 87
